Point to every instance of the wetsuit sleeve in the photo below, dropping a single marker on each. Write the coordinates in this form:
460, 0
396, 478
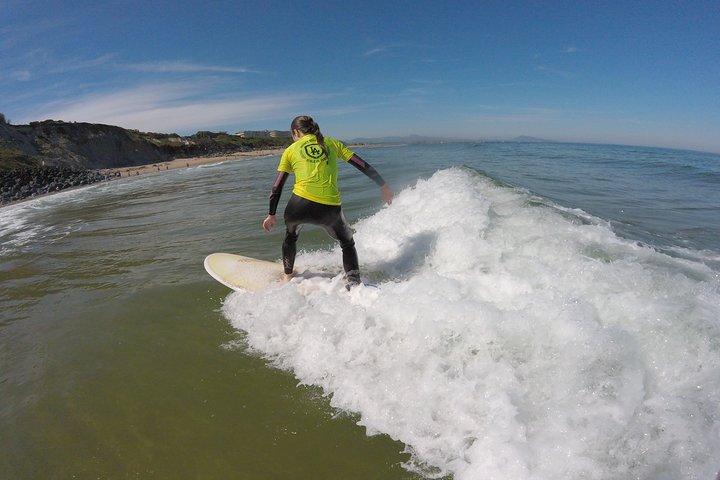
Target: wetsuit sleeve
277, 190
367, 169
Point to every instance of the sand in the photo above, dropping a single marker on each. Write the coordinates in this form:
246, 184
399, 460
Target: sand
187, 162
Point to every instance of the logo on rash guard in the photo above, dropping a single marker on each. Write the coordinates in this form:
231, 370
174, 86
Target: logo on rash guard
314, 151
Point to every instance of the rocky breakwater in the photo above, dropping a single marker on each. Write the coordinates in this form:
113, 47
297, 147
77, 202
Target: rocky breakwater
22, 183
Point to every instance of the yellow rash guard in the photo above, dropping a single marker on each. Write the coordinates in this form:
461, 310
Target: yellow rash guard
315, 171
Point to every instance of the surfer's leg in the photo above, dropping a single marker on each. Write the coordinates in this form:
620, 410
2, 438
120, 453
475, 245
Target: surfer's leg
329, 217
292, 217
289, 250
351, 263
341, 231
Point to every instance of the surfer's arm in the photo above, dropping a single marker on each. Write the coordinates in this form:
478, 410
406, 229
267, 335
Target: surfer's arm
367, 169
277, 190
277, 187
373, 174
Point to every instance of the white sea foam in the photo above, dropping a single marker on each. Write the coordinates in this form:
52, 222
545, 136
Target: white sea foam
508, 340
33, 221
212, 165
21, 224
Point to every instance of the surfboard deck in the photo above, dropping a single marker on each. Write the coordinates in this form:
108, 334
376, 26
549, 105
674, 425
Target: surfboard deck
242, 273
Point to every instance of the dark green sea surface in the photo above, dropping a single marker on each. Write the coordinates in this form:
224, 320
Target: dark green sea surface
116, 360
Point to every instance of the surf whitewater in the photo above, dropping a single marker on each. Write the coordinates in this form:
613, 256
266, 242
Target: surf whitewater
509, 338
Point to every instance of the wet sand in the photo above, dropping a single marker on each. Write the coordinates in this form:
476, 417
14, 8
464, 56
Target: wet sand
138, 170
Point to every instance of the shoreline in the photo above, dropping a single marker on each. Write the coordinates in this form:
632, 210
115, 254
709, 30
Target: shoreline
137, 170
111, 174
117, 173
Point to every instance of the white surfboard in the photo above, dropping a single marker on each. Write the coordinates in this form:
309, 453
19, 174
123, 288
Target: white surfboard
242, 273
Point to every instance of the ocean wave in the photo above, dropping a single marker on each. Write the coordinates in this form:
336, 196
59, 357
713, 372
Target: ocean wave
507, 341
23, 223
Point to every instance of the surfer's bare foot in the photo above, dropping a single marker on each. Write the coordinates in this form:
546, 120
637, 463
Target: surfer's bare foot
287, 277
352, 279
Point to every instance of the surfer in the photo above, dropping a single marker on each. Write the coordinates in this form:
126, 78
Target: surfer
315, 197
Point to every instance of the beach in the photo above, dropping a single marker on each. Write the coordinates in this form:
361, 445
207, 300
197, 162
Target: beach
138, 170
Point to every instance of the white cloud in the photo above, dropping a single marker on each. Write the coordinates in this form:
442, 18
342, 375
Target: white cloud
571, 49
185, 67
73, 64
390, 47
375, 51
169, 107
39, 63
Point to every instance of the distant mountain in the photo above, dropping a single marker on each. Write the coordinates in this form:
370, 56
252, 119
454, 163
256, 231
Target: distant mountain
404, 139
528, 139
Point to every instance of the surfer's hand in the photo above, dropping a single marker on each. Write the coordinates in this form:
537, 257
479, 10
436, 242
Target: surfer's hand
387, 194
269, 223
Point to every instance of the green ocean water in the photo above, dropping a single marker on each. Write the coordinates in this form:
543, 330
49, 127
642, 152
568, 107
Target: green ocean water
141, 387
116, 360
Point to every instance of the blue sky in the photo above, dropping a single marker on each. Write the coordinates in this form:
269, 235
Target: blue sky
625, 72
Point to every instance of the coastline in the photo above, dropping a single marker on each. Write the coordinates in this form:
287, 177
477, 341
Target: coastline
157, 167
138, 170
116, 173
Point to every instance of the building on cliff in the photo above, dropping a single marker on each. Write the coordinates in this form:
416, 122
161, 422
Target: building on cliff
263, 133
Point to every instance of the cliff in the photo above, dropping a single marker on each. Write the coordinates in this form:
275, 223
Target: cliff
96, 146
46, 157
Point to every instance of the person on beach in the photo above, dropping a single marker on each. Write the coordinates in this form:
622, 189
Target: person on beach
315, 198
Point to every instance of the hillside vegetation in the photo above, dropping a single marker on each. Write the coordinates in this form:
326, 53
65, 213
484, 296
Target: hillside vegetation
46, 157
96, 146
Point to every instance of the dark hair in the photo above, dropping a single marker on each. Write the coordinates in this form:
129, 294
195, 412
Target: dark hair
305, 124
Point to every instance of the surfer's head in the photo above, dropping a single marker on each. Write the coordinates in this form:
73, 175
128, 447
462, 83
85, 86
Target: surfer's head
304, 125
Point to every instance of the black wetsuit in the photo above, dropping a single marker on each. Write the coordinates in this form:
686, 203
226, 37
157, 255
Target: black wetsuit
300, 210
330, 217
